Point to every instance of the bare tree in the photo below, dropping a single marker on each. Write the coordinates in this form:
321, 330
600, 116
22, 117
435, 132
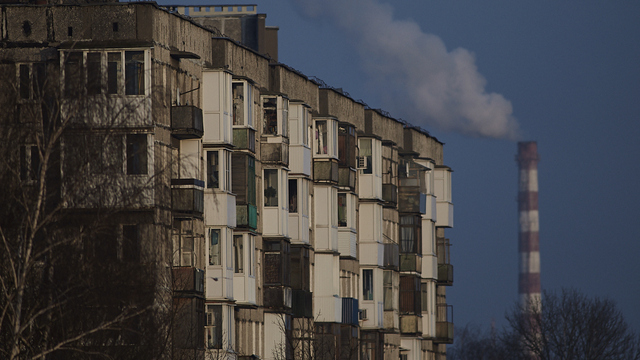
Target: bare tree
473, 343
72, 280
571, 326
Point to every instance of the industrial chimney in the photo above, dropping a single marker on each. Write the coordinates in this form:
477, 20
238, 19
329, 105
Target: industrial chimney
528, 240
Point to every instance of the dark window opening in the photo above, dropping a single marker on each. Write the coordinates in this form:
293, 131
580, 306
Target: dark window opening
367, 284
24, 81
70, 31
94, 70
114, 67
73, 74
115, 27
342, 209
293, 195
212, 170
137, 154
26, 28
270, 187
134, 72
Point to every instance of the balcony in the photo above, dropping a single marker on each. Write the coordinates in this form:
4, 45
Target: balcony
244, 139
444, 324
347, 178
325, 171
302, 304
391, 256
277, 297
275, 152
186, 122
410, 262
187, 197
247, 216
188, 279
445, 269
411, 324
410, 199
390, 194
350, 311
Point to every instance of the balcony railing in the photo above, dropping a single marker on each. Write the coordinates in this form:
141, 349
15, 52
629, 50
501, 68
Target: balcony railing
325, 171
188, 279
445, 274
277, 297
275, 152
187, 197
410, 324
411, 200
347, 178
410, 262
444, 324
390, 194
244, 139
445, 269
186, 122
350, 311
391, 255
247, 216
302, 303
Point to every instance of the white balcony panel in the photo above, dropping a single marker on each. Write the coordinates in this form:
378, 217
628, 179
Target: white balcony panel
371, 221
216, 107
327, 308
217, 285
244, 288
219, 209
347, 241
445, 214
429, 267
371, 253
300, 159
431, 209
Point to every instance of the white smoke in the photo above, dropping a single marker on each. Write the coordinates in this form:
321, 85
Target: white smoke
436, 87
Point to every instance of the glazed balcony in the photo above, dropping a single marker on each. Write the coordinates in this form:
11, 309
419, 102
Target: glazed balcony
187, 197
275, 150
277, 297
390, 194
411, 200
410, 262
347, 178
188, 280
391, 256
186, 122
445, 269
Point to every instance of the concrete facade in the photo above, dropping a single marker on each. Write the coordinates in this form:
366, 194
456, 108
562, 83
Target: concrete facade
308, 224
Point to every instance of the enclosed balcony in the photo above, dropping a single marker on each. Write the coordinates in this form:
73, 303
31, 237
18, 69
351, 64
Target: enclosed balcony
186, 122
390, 194
347, 178
187, 197
444, 324
445, 269
244, 139
302, 304
350, 311
275, 150
410, 199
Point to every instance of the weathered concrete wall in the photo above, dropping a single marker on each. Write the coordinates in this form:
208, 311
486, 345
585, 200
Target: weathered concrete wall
383, 126
294, 85
425, 145
240, 61
332, 102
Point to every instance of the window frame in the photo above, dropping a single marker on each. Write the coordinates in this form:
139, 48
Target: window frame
268, 199
137, 160
214, 251
367, 284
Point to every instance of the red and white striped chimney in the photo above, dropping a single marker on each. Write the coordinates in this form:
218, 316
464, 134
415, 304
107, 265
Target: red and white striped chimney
528, 239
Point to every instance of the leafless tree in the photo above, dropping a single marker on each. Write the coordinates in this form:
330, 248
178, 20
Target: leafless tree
71, 281
571, 325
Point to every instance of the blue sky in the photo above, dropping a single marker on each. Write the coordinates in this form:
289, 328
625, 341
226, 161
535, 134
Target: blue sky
565, 74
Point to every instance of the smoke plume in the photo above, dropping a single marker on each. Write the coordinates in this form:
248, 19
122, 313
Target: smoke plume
436, 87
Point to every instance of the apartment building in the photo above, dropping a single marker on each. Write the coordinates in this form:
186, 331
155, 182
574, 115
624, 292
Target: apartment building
298, 223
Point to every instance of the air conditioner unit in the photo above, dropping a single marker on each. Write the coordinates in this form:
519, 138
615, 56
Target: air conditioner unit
362, 314
363, 161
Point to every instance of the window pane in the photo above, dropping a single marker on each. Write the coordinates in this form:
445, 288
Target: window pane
136, 154
322, 137
342, 209
134, 72
214, 247
251, 182
114, 68
238, 103
293, 195
269, 106
73, 74
270, 187
214, 326
212, 170
365, 151
94, 73
367, 284
387, 282
238, 253
24, 81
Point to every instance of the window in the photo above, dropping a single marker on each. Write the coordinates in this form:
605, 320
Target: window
270, 187
130, 243
322, 137
410, 234
410, 295
114, 71
238, 251
212, 170
346, 146
214, 247
242, 104
425, 297
73, 74
342, 209
251, 255
25, 77
251, 181
367, 284
31, 80
29, 162
137, 154
365, 152
270, 108
293, 195
94, 72
214, 326
134, 72
387, 284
